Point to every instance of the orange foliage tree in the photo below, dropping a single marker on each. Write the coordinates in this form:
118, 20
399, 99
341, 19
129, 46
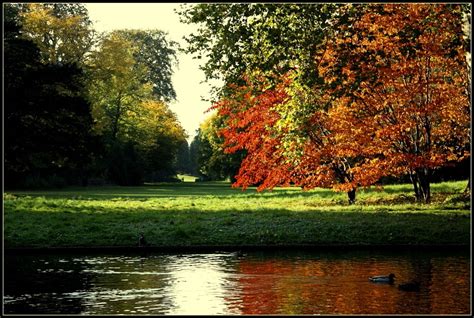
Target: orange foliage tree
402, 73
393, 102
259, 118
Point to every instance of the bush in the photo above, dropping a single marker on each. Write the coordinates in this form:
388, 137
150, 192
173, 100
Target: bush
38, 182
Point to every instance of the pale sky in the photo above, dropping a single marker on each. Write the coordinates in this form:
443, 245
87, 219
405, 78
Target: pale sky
187, 77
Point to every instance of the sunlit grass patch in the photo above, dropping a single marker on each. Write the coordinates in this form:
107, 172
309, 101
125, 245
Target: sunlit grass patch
187, 178
216, 214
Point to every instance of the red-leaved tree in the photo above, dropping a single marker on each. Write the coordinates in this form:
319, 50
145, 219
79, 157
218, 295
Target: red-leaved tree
393, 102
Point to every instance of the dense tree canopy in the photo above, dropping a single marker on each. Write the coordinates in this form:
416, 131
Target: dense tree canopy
126, 110
234, 39
404, 91
62, 32
47, 120
158, 55
316, 95
390, 99
80, 106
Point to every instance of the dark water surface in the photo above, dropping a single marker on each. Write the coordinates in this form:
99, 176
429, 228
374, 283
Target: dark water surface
286, 282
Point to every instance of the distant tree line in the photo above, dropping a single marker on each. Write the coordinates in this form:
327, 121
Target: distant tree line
82, 107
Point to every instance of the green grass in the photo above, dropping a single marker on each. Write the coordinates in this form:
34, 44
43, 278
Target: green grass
183, 214
187, 178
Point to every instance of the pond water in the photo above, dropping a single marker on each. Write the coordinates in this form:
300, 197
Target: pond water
285, 282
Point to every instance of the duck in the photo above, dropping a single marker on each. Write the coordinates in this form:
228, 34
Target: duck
410, 286
383, 279
141, 240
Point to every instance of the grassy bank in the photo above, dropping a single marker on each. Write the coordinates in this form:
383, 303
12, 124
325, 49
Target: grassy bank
187, 213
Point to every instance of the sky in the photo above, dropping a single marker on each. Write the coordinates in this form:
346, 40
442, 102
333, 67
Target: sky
187, 77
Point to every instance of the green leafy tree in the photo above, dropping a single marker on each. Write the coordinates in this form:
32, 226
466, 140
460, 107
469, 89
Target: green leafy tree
161, 136
158, 54
235, 39
183, 160
116, 88
47, 121
193, 154
62, 32
211, 160
135, 125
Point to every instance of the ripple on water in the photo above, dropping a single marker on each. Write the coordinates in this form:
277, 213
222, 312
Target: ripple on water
221, 283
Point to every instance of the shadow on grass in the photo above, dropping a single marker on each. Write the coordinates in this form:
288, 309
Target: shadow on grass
173, 190
116, 227
147, 191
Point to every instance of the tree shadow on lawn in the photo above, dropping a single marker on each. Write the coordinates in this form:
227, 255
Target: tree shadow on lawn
139, 192
276, 226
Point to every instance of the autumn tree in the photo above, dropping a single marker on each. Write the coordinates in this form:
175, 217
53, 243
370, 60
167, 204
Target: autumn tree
284, 131
382, 108
116, 87
250, 116
401, 74
62, 32
139, 131
274, 41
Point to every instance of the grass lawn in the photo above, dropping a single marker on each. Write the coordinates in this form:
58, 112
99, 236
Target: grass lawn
187, 178
213, 213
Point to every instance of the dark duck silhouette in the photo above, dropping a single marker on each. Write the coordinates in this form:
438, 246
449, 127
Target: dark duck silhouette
383, 278
141, 240
410, 286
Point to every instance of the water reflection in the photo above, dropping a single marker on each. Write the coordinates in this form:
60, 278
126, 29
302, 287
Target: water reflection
224, 283
202, 284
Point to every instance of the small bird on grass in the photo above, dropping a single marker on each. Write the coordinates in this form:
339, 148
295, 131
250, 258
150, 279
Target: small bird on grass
141, 240
383, 278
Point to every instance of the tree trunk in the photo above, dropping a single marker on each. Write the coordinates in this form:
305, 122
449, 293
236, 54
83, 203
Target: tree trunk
352, 196
117, 116
421, 185
425, 185
84, 180
414, 181
467, 190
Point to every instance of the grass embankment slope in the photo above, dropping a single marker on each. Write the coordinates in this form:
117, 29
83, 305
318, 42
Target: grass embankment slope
198, 214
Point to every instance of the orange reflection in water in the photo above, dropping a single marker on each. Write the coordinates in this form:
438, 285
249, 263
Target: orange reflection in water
341, 286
